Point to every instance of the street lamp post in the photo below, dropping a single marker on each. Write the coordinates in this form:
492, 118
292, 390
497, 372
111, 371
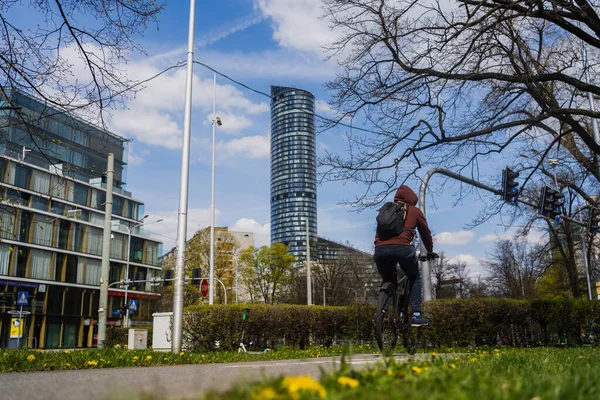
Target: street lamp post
215, 121
126, 321
177, 331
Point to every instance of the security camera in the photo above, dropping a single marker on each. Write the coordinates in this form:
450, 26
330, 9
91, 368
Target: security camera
219, 121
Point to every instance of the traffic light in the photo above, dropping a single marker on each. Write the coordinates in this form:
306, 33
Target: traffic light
594, 224
123, 309
196, 275
510, 192
168, 276
551, 203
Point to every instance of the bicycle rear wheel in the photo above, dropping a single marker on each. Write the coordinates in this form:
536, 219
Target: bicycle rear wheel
411, 336
386, 320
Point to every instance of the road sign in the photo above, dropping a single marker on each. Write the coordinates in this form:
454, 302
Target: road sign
23, 298
133, 305
204, 287
16, 328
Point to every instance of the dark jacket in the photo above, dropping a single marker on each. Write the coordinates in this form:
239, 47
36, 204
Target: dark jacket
414, 220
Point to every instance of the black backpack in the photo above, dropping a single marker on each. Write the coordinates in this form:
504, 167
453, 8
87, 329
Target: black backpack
390, 220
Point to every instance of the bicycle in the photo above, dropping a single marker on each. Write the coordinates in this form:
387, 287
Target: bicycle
390, 320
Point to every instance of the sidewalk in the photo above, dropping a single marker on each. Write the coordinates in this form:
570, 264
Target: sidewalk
172, 382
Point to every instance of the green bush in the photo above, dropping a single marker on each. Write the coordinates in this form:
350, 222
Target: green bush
116, 336
454, 323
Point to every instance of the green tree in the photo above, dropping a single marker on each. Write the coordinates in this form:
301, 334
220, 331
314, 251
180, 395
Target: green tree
265, 271
197, 255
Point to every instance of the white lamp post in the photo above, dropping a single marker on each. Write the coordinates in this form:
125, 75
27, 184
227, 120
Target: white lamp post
126, 281
215, 121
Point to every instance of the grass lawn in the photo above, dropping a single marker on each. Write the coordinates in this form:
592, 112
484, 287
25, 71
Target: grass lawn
530, 374
38, 360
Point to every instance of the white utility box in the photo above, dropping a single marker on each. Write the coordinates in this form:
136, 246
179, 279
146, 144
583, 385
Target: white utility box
161, 331
138, 339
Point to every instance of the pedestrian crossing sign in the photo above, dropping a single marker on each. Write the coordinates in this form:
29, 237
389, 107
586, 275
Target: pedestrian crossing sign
133, 305
23, 298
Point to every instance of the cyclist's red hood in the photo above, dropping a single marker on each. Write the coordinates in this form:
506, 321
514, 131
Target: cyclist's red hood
405, 194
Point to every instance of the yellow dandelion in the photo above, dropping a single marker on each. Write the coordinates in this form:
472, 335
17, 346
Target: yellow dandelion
117, 346
294, 384
416, 369
38, 351
30, 357
390, 372
102, 360
165, 359
92, 363
44, 365
452, 366
348, 382
434, 354
135, 358
496, 350
264, 394
148, 358
473, 359
68, 365
182, 353
67, 351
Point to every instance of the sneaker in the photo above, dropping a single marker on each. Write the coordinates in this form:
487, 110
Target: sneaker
419, 320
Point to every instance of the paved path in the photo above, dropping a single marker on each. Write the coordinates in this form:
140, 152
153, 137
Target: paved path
172, 382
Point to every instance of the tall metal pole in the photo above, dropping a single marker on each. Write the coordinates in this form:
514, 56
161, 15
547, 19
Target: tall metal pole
183, 192
586, 77
103, 306
308, 283
211, 283
586, 262
235, 261
425, 267
126, 321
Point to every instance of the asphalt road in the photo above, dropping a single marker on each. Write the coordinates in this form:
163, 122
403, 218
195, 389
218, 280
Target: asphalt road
169, 382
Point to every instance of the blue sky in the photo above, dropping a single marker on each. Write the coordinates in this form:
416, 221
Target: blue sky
260, 43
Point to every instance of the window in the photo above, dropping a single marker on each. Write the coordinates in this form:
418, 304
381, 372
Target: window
71, 269
80, 194
4, 258
22, 254
41, 182
22, 176
40, 264
93, 270
42, 230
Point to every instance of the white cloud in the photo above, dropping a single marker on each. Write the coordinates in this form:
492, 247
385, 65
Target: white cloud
234, 26
262, 232
534, 236
166, 230
322, 107
297, 23
232, 123
459, 238
474, 266
248, 146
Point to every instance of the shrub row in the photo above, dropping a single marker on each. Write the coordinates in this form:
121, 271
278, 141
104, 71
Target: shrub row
454, 323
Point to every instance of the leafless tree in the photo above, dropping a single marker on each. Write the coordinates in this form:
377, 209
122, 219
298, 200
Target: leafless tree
440, 271
513, 268
69, 54
454, 83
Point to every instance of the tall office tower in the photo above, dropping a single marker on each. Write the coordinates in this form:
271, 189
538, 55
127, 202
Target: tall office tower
293, 168
52, 199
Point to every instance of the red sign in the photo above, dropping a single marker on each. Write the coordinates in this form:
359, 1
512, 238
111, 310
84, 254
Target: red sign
204, 287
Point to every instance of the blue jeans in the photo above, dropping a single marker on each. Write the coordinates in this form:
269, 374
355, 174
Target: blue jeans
386, 258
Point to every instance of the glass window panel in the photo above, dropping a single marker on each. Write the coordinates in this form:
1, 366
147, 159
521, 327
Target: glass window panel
93, 270
41, 182
42, 230
94, 240
4, 258
40, 264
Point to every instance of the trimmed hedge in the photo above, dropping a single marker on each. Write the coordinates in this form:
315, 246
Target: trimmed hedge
454, 323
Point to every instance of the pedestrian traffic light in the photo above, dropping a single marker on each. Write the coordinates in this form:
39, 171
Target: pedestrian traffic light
510, 192
123, 309
551, 203
168, 277
196, 276
594, 224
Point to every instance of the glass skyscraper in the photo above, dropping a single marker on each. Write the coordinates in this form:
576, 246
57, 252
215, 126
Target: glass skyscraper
293, 168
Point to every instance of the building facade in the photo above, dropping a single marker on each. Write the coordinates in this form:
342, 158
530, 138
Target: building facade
293, 168
51, 228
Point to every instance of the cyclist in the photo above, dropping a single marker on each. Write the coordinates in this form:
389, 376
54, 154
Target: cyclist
398, 249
